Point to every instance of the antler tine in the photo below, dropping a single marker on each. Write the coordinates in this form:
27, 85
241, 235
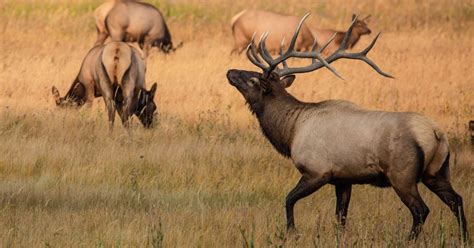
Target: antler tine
263, 49
368, 48
343, 45
363, 56
321, 59
291, 47
359, 56
328, 42
282, 45
252, 54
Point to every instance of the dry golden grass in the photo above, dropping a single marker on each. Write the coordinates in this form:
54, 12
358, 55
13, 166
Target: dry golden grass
204, 175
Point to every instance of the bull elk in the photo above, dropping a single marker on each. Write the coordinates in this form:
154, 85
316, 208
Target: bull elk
255, 22
131, 21
336, 142
115, 71
324, 35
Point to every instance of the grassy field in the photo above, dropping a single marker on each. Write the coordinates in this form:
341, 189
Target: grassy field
204, 175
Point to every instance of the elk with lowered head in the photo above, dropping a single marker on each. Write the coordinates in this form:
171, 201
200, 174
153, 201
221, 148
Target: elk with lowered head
115, 67
336, 142
324, 35
131, 21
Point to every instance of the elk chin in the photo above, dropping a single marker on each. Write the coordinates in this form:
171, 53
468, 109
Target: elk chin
146, 121
146, 117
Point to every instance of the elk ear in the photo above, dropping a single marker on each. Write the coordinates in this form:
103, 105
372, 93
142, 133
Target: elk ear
153, 90
366, 19
287, 81
56, 95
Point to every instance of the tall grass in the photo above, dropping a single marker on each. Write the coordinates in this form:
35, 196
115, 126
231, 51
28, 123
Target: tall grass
204, 175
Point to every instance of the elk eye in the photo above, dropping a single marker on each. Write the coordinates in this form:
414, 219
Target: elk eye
252, 81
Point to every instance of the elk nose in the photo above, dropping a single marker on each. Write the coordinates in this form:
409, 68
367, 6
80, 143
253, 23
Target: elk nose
232, 74
369, 31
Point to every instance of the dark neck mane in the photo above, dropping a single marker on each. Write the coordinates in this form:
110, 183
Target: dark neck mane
277, 118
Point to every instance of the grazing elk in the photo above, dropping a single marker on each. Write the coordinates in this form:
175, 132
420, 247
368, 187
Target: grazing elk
248, 23
131, 21
337, 142
324, 35
115, 67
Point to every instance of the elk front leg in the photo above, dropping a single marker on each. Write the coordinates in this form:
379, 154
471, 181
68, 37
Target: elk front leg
307, 185
90, 94
146, 46
343, 195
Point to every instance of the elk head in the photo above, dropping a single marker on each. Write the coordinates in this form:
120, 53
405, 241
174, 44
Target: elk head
361, 27
255, 86
74, 98
146, 106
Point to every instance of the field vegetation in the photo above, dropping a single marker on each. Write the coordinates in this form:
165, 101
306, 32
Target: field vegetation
204, 176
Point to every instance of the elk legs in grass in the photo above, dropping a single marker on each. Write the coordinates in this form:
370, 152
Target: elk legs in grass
343, 197
418, 209
307, 185
443, 189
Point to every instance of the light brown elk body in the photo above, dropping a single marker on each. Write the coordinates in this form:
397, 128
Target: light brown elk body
115, 71
100, 14
131, 21
324, 35
255, 22
337, 142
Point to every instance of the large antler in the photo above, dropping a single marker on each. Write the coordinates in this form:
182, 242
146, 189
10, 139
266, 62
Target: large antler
315, 54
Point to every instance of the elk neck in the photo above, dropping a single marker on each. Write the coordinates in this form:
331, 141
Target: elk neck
353, 39
277, 117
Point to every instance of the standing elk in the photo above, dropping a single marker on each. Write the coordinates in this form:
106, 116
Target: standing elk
324, 35
131, 21
336, 142
248, 23
115, 71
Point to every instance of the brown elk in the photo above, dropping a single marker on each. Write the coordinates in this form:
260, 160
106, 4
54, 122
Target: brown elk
324, 35
248, 23
100, 14
131, 21
95, 79
336, 142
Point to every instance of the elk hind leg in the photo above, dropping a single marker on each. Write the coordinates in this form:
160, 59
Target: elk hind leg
411, 198
110, 104
440, 185
128, 93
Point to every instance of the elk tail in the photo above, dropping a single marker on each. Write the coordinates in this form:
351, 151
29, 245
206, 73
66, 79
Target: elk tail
439, 164
117, 59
